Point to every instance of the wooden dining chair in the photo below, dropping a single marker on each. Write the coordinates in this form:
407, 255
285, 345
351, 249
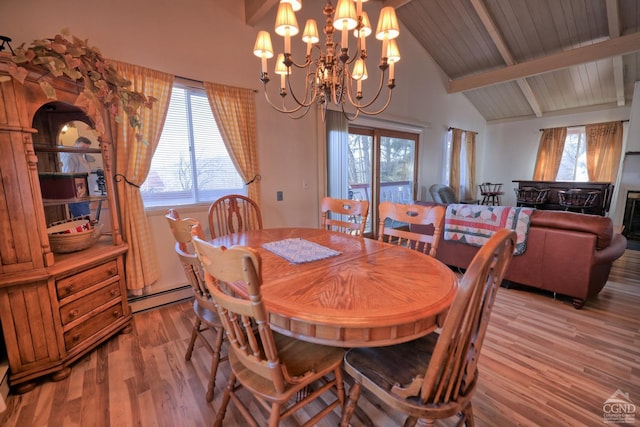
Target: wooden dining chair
282, 373
203, 306
233, 213
344, 215
390, 214
434, 377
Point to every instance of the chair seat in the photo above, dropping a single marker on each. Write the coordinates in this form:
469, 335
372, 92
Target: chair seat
208, 315
379, 369
299, 357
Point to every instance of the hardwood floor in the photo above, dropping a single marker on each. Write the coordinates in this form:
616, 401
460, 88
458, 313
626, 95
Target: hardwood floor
543, 363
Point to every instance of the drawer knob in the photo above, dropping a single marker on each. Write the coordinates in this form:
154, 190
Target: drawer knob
77, 337
116, 313
69, 289
114, 292
73, 313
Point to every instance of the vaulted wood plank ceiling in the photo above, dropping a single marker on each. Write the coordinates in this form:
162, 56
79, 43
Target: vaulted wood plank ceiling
525, 58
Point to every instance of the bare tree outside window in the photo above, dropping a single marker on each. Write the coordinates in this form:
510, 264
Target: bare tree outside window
573, 166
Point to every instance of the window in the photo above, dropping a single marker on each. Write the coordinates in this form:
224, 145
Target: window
191, 163
384, 157
573, 166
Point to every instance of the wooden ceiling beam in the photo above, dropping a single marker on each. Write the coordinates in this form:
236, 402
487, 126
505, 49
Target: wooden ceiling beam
255, 10
501, 45
613, 18
555, 61
395, 3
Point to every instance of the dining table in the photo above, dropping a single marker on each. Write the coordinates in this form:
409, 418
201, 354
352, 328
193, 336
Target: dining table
361, 292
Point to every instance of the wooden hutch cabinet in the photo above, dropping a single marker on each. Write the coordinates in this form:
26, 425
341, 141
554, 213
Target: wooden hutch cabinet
54, 307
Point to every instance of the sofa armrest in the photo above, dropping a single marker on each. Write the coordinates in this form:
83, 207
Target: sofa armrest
613, 251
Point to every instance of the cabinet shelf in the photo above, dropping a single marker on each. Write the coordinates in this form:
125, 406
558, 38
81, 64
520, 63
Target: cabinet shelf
64, 149
57, 202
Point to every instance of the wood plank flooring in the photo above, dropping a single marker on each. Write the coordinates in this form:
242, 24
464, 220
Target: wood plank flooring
543, 364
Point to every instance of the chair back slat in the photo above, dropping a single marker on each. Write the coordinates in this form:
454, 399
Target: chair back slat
240, 266
411, 215
344, 215
452, 370
232, 214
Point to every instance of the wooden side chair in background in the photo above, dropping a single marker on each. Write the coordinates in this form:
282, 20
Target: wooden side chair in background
203, 306
233, 213
490, 193
577, 199
411, 215
531, 196
434, 377
282, 373
344, 215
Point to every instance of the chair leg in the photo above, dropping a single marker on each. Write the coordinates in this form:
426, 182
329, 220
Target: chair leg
225, 400
215, 360
274, 416
350, 406
467, 416
194, 336
422, 422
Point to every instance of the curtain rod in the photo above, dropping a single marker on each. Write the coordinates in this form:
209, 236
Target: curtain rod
575, 126
470, 131
200, 82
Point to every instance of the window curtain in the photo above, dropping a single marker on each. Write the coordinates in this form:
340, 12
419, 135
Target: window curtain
469, 191
337, 127
234, 111
454, 170
604, 149
549, 154
133, 160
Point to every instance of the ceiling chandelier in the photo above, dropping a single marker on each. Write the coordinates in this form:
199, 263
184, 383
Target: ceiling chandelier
332, 74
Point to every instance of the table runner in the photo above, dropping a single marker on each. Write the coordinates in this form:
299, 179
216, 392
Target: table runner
299, 251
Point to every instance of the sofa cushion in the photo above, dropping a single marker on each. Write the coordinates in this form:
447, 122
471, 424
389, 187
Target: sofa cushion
601, 226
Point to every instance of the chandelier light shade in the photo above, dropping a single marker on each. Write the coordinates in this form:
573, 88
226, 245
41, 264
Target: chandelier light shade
332, 73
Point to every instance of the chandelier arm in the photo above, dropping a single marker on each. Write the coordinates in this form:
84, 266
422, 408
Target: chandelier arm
305, 65
306, 110
373, 113
374, 99
346, 114
304, 102
275, 107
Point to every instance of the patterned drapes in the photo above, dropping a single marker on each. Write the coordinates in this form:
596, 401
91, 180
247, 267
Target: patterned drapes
134, 151
454, 170
604, 149
470, 175
234, 111
549, 154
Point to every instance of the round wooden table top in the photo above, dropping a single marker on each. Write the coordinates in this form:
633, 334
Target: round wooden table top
370, 294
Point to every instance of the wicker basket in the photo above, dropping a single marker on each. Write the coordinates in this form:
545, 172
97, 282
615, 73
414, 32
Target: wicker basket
72, 242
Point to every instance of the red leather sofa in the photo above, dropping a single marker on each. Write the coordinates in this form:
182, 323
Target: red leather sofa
566, 253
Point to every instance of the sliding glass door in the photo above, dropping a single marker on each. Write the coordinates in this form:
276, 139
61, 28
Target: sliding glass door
380, 165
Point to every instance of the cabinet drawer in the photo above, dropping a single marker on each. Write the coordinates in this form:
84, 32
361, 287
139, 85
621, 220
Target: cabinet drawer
84, 305
80, 333
84, 279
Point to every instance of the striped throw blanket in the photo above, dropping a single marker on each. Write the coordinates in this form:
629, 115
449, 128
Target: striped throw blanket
475, 224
